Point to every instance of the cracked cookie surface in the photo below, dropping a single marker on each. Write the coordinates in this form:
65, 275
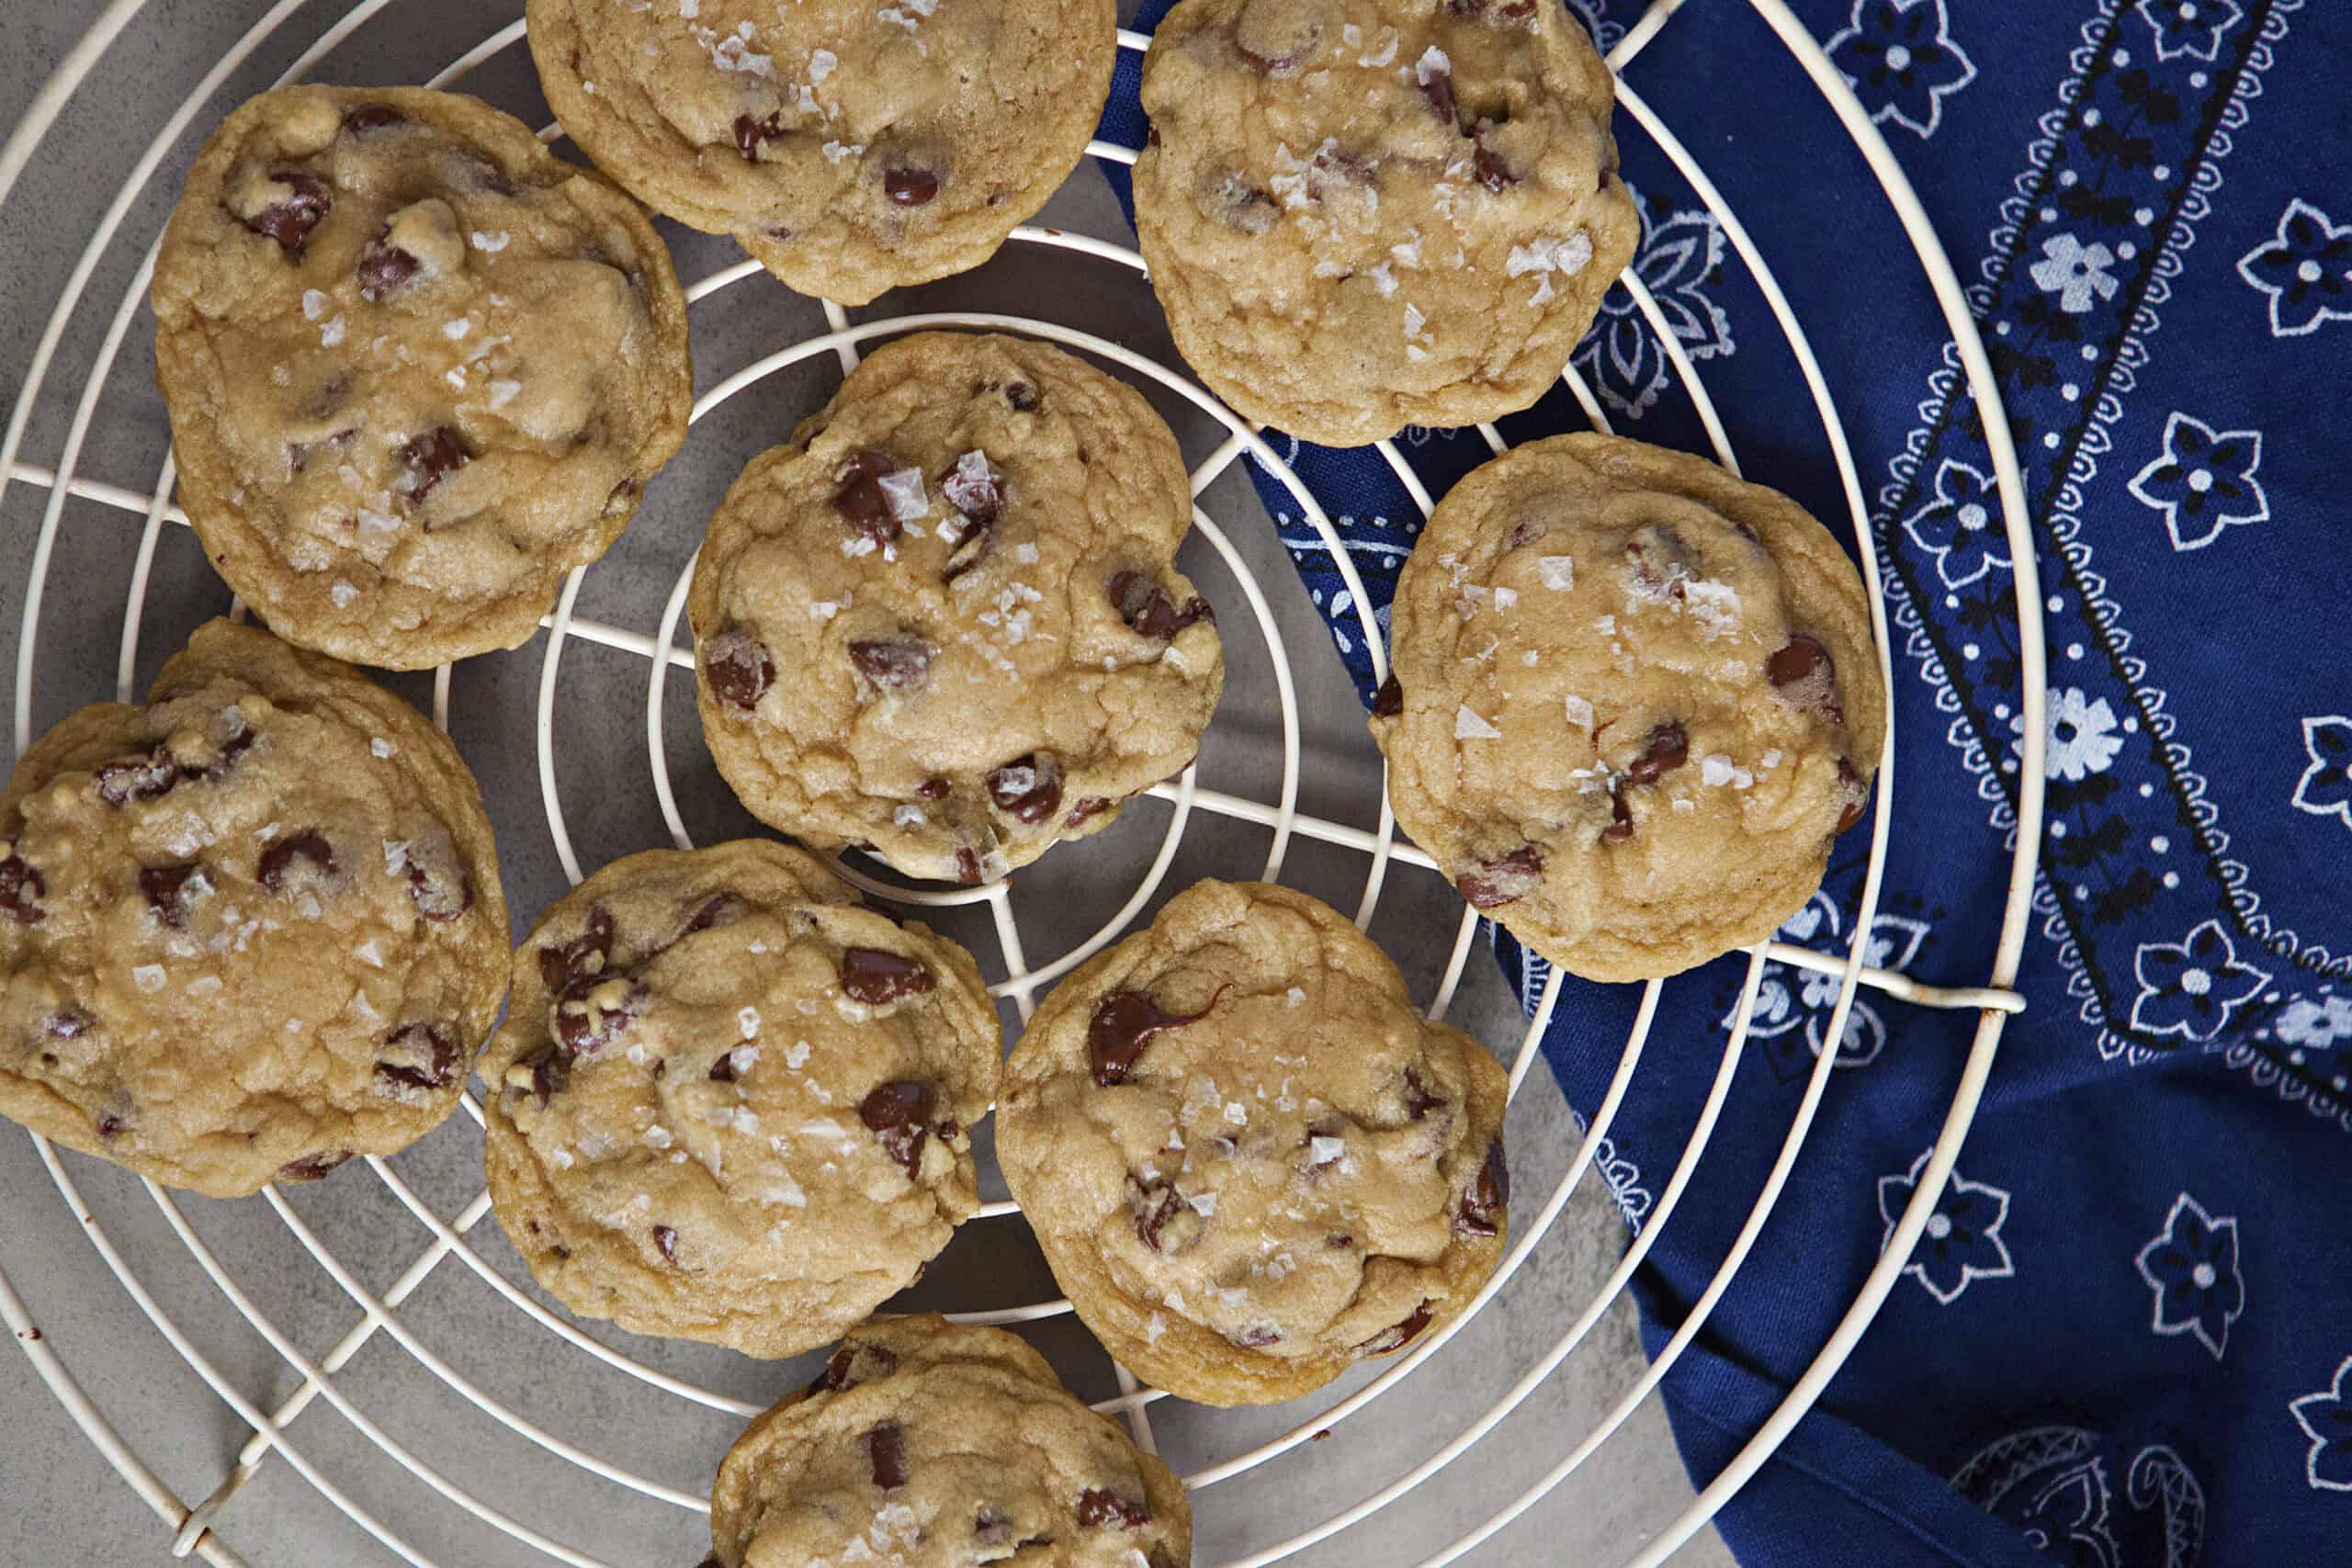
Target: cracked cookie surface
934, 1445
849, 148
1633, 702
250, 930
1250, 1161
731, 1103
1360, 217
946, 621
417, 367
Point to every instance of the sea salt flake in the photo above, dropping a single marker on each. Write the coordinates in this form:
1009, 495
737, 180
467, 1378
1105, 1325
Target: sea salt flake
1468, 725
492, 240
1505, 597
343, 594
1383, 279
1433, 64
381, 748
905, 492
1714, 606
1558, 572
458, 328
1770, 759
502, 392
795, 1053
748, 1020
1579, 712
657, 1137
1684, 803
315, 304
1715, 769
909, 815
1323, 1150
150, 977
1204, 1203
1296, 995
821, 64
332, 334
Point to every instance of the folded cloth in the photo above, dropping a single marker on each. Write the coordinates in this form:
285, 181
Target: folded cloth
2151, 202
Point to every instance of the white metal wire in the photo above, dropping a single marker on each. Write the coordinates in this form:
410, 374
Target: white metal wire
195, 1528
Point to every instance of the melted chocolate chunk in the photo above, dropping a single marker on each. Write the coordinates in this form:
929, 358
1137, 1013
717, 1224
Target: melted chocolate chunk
974, 488
750, 134
1437, 86
432, 458
1258, 1336
1502, 880
1659, 562
289, 221
719, 909
1147, 609
1857, 794
1419, 1100
862, 501
440, 898
165, 887
886, 1454
574, 964
1482, 1207
110, 1127
899, 1114
1389, 701
361, 119
276, 861
1029, 788
384, 268
310, 1167
1397, 1337
853, 1364
1621, 818
909, 187
894, 664
1668, 749
428, 1056
934, 789
667, 1240
1099, 1509
1123, 1024
1088, 808
739, 668
1805, 676
586, 1024
1492, 171
137, 778
66, 1023
873, 977
967, 868
1164, 1221
550, 1069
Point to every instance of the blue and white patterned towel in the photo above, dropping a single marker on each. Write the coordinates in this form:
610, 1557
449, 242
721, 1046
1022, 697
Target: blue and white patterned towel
2126, 1340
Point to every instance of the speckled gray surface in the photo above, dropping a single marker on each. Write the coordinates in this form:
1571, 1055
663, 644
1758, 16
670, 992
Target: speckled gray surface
64, 1504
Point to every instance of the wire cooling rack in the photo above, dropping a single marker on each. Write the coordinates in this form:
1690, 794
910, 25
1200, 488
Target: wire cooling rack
193, 1528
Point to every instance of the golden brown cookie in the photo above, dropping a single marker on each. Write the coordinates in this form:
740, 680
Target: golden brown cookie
945, 621
1367, 216
1633, 699
417, 367
254, 927
731, 1102
929, 1445
850, 148
1250, 1162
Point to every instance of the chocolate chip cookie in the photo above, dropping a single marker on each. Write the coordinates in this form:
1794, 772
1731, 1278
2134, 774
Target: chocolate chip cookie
1368, 216
1250, 1162
417, 367
945, 622
731, 1102
932, 1445
1635, 699
252, 928
850, 149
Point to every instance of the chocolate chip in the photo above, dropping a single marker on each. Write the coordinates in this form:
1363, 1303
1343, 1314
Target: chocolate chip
66, 1023
110, 1126
1147, 609
1805, 676
723, 1069
431, 457
898, 1113
1437, 86
309, 844
853, 1364
568, 967
1519, 10
873, 977
1029, 788
1502, 880
751, 133
1419, 1100
739, 668
862, 501
1659, 562
1123, 1024
1088, 808
291, 220
441, 894
1482, 1207
428, 1058
361, 119
1022, 396
1389, 701
1099, 1509
894, 664
137, 778
310, 1167
1397, 1337
909, 187
934, 789
974, 488
1857, 794
166, 890
1492, 171
885, 1453
967, 868
587, 1022
1243, 206
1258, 1336
550, 1068
1164, 1221
667, 1240
1668, 749
385, 267
719, 909
1620, 817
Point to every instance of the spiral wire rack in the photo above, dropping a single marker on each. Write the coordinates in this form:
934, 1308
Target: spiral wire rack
194, 1527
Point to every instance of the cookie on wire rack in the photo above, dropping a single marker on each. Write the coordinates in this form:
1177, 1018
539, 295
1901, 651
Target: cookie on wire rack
945, 621
940, 1446
1632, 702
253, 929
731, 1103
851, 148
417, 367
1368, 216
1250, 1161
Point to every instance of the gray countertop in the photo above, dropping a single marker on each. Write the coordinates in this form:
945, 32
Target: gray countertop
64, 1504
